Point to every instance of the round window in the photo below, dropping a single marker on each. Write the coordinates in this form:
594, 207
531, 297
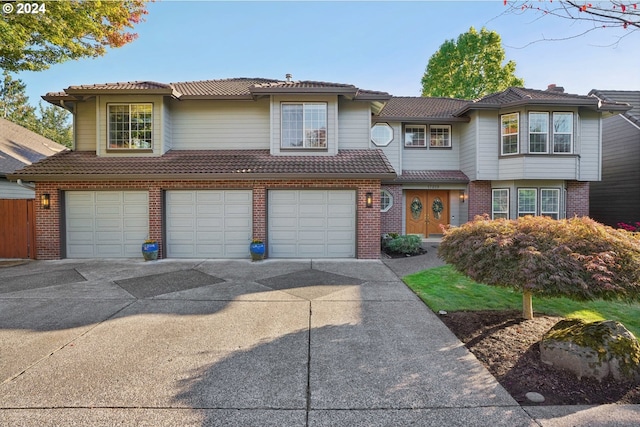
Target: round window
381, 134
386, 200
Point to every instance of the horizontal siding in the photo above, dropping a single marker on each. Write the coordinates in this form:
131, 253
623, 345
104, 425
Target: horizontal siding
10, 190
468, 134
616, 198
587, 144
85, 126
434, 158
167, 123
538, 167
354, 121
488, 137
393, 151
220, 125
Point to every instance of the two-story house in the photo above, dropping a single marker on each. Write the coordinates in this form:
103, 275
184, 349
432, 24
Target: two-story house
314, 169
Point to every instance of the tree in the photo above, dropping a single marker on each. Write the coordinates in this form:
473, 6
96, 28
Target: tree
55, 124
14, 103
612, 14
52, 122
64, 30
576, 258
470, 67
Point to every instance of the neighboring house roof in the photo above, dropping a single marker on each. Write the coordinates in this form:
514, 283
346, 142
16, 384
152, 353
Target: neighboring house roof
631, 97
449, 176
236, 88
417, 108
20, 147
209, 164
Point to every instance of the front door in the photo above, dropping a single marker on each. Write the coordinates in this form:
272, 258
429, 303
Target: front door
426, 211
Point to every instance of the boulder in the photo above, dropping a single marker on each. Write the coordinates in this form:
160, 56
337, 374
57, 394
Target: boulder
592, 349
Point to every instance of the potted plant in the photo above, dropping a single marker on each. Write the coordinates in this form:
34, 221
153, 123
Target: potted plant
150, 250
256, 249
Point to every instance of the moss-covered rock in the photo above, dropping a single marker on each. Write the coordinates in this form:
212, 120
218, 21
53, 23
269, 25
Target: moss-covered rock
592, 349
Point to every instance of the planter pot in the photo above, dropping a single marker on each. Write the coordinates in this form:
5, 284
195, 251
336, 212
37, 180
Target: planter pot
257, 251
150, 251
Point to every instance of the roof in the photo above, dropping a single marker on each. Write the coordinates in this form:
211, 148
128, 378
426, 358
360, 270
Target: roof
517, 96
631, 97
235, 88
417, 108
448, 176
209, 164
20, 147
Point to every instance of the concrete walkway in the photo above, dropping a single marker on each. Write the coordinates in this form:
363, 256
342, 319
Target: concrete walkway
274, 343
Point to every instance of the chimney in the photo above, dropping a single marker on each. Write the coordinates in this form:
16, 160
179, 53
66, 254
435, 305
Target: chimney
553, 88
288, 77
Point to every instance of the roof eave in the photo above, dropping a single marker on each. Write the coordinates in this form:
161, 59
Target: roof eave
303, 91
426, 119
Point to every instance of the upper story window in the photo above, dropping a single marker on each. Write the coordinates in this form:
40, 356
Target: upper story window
381, 134
130, 126
538, 132
304, 125
562, 132
440, 136
509, 133
415, 136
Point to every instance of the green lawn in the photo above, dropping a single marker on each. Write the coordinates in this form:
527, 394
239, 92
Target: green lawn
443, 288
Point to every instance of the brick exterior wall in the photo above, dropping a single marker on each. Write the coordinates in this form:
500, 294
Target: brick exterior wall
49, 229
392, 219
577, 198
479, 198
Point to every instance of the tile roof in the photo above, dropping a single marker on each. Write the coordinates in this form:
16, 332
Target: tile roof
631, 97
137, 85
407, 108
209, 164
224, 87
20, 147
449, 176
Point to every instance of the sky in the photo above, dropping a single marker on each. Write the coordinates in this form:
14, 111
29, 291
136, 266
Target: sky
375, 45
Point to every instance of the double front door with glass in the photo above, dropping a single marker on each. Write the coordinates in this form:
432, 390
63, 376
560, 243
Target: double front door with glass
426, 211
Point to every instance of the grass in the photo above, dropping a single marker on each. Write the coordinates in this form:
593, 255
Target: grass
443, 288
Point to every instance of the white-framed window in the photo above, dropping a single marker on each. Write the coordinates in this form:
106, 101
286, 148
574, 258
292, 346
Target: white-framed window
386, 200
440, 136
130, 126
509, 133
415, 136
304, 125
550, 202
527, 201
381, 134
562, 132
538, 132
500, 203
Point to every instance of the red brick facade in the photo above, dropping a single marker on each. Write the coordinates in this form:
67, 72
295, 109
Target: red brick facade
479, 198
392, 219
49, 229
577, 198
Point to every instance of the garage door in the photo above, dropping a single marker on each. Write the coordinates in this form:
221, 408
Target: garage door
106, 224
209, 223
312, 223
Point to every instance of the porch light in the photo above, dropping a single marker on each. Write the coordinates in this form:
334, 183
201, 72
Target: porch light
369, 200
462, 196
45, 201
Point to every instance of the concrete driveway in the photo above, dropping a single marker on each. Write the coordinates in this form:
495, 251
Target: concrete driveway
207, 343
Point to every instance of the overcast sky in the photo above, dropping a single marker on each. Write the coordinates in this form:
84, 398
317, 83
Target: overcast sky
374, 45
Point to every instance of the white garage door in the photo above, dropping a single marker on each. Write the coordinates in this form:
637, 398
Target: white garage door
106, 224
312, 223
209, 223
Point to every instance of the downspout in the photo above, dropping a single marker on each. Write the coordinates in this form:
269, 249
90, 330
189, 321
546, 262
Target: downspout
27, 186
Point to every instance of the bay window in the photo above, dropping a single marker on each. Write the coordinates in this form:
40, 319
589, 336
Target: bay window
509, 132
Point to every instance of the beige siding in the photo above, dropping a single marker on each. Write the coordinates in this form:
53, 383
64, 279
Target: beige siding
332, 124
85, 126
167, 131
220, 125
354, 123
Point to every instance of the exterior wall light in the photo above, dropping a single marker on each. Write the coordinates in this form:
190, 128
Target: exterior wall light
463, 196
45, 201
369, 200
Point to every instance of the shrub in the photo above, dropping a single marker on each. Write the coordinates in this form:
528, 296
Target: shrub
405, 244
630, 227
578, 258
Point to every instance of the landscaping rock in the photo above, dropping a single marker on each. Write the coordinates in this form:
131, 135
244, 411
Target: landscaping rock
595, 349
534, 397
